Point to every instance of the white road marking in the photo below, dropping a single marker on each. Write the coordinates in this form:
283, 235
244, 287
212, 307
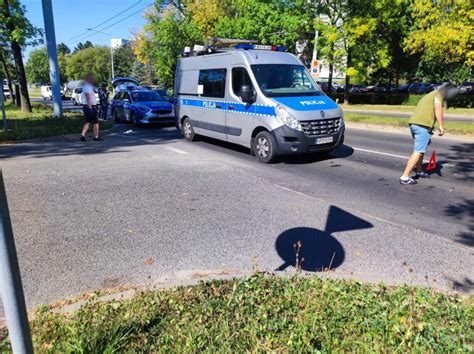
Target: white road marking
178, 151
392, 155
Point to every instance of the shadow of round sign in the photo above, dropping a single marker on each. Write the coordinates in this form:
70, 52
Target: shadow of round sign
317, 249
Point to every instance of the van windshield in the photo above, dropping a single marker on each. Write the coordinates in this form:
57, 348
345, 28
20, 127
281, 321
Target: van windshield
279, 80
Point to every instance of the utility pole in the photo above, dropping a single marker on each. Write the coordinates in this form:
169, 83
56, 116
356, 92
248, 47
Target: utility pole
112, 61
10, 282
52, 58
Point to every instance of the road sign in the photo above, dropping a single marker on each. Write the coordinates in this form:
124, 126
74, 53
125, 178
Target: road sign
315, 66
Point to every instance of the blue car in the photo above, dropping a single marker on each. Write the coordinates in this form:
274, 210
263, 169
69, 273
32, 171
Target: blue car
140, 106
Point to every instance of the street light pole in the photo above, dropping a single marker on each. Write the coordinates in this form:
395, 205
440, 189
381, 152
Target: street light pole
112, 60
111, 50
52, 58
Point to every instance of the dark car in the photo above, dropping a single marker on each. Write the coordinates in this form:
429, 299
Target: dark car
466, 88
424, 88
140, 106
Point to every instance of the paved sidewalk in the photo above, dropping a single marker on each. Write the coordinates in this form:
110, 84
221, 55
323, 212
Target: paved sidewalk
448, 116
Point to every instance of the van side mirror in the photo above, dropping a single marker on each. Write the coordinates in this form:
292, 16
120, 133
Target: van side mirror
246, 93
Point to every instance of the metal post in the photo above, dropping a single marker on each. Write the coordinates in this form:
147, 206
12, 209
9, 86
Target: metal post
10, 282
2, 103
52, 58
112, 60
315, 49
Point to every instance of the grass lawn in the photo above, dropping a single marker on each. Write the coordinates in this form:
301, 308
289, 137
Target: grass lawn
264, 313
402, 108
39, 124
465, 128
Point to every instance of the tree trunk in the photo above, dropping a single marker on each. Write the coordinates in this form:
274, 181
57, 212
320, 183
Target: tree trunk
20, 68
331, 68
6, 72
397, 81
348, 79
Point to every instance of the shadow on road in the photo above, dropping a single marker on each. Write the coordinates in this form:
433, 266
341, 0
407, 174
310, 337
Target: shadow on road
462, 155
315, 250
341, 152
115, 141
463, 212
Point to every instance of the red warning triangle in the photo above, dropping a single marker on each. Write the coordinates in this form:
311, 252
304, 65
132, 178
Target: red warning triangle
432, 164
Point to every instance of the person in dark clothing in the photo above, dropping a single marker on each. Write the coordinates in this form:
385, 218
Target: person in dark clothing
103, 101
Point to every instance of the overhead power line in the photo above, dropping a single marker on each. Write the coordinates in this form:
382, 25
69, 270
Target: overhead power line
104, 22
89, 34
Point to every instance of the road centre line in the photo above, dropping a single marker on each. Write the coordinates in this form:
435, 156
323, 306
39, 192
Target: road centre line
391, 155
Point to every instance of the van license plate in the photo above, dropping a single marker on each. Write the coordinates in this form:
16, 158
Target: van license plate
327, 140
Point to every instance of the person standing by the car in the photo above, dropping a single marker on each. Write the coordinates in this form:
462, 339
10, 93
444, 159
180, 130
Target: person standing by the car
103, 101
427, 112
89, 107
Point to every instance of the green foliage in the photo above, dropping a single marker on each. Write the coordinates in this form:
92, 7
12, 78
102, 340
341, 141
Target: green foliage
94, 60
123, 61
373, 40
264, 314
15, 26
442, 35
170, 33
37, 66
80, 46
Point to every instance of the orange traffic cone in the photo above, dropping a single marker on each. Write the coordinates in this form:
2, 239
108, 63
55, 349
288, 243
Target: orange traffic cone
432, 163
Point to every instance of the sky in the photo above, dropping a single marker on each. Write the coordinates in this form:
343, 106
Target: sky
73, 17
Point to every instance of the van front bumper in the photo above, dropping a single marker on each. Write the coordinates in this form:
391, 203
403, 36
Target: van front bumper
293, 142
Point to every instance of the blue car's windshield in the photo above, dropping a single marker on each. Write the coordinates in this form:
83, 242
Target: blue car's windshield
145, 96
280, 80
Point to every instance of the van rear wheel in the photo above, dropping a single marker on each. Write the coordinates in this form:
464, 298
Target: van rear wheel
188, 130
264, 147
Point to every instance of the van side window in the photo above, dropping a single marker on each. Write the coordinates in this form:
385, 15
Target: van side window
213, 81
240, 77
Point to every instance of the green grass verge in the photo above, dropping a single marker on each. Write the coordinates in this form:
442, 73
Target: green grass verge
403, 108
465, 128
264, 313
39, 124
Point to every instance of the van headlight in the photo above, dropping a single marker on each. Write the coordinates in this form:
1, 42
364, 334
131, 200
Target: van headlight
287, 118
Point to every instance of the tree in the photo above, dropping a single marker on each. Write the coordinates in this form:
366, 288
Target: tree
123, 60
37, 66
80, 46
63, 49
95, 60
441, 35
16, 29
6, 68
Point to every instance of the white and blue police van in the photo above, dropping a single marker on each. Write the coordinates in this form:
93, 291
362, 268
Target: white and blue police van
260, 97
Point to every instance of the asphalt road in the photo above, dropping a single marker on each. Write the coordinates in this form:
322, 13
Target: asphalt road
146, 207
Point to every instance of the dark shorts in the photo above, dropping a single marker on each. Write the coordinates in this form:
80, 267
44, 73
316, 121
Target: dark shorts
90, 117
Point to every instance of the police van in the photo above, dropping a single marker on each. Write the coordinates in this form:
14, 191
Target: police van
260, 97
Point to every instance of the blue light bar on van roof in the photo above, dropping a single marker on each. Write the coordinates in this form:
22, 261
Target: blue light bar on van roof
274, 48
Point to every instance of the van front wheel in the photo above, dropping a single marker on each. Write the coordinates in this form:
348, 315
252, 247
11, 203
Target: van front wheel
188, 130
264, 147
